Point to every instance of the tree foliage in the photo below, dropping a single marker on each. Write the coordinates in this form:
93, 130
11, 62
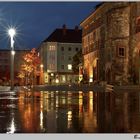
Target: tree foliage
77, 59
29, 67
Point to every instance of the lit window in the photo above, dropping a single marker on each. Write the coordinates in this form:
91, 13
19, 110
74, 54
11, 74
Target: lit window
51, 66
69, 67
121, 51
51, 48
63, 78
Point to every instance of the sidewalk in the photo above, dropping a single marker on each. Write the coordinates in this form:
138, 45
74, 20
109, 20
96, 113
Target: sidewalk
72, 87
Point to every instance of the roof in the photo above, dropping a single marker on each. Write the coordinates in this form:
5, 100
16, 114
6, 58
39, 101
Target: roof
65, 36
98, 5
93, 12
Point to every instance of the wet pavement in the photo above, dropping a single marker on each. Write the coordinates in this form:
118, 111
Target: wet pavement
69, 112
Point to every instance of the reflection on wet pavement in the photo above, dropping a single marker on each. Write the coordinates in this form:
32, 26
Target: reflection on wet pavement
69, 112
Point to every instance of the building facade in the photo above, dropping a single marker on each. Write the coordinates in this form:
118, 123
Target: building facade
56, 54
110, 42
5, 64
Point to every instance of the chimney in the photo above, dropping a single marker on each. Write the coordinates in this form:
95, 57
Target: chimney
64, 29
76, 28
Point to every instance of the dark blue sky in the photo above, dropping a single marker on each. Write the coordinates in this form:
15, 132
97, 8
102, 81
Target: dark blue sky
36, 20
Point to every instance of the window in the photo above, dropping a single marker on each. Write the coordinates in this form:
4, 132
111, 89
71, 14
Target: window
63, 78
91, 38
77, 49
52, 57
88, 39
62, 67
51, 48
69, 66
69, 49
51, 66
94, 36
62, 48
121, 51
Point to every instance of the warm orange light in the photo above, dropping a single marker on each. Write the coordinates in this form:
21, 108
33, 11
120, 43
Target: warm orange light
41, 66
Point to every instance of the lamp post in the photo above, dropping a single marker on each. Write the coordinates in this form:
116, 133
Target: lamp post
12, 33
41, 74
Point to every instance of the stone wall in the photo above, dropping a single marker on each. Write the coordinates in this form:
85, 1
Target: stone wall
117, 30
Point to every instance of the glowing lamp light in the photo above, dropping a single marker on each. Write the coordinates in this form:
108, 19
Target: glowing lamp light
69, 66
41, 65
13, 52
80, 77
12, 32
41, 119
57, 81
52, 74
12, 127
90, 79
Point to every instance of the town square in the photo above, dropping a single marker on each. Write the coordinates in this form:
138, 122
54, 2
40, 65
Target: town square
69, 67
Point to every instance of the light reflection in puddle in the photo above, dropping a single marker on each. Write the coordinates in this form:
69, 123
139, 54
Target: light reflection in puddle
64, 112
9, 98
11, 106
12, 127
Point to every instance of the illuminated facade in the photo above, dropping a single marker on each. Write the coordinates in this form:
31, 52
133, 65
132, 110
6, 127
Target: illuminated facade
110, 40
56, 54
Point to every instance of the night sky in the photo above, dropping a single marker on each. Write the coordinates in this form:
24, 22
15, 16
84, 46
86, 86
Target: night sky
35, 21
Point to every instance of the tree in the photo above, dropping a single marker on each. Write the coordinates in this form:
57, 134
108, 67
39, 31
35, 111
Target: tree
77, 59
28, 69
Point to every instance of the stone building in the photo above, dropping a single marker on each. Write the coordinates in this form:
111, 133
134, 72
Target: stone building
110, 42
56, 54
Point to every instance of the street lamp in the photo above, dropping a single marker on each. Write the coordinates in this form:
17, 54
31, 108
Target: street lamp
41, 73
12, 33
